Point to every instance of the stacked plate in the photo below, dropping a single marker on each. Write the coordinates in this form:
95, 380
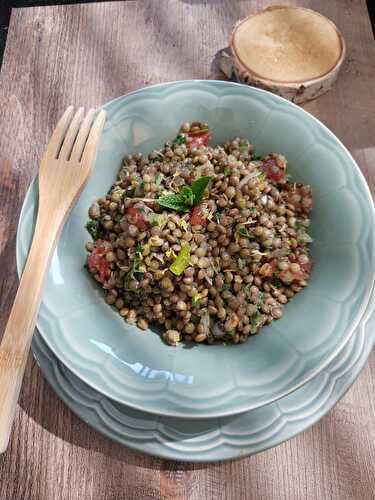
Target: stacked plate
213, 402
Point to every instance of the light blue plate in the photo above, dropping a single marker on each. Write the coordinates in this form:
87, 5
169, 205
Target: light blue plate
136, 368
213, 439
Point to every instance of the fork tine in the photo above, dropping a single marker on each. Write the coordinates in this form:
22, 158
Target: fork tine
71, 135
89, 152
58, 135
82, 136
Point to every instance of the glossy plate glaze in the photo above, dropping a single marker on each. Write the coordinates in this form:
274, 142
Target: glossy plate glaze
136, 368
213, 439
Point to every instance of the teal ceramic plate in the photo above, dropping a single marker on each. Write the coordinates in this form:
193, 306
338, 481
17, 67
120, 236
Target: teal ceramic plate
136, 368
213, 439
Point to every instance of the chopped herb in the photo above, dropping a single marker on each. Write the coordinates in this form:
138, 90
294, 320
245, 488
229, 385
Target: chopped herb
246, 234
226, 286
276, 282
227, 171
142, 185
139, 248
194, 319
256, 157
133, 269
180, 139
178, 241
260, 298
94, 227
253, 211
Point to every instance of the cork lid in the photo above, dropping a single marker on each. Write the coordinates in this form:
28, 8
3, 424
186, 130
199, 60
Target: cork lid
287, 44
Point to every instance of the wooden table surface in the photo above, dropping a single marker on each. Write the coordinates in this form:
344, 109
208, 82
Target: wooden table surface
86, 55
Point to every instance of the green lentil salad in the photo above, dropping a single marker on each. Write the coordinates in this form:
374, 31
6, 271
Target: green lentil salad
208, 241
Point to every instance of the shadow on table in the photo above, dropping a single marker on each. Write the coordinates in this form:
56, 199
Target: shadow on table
42, 405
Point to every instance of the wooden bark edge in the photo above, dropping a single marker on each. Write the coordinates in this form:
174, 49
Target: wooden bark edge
297, 92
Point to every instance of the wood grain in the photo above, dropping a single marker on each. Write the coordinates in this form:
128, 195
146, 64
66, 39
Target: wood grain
86, 55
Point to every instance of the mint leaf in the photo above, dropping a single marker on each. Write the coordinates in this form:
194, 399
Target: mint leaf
174, 202
187, 195
198, 188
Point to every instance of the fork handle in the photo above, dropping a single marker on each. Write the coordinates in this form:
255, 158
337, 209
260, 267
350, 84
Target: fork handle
16, 342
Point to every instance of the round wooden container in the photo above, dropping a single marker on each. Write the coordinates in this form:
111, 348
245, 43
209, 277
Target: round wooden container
291, 51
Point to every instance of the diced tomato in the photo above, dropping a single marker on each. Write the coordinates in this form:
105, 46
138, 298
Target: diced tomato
97, 262
306, 267
268, 269
138, 215
273, 265
197, 140
289, 276
196, 217
272, 170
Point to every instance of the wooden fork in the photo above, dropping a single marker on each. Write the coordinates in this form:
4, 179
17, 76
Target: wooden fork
64, 170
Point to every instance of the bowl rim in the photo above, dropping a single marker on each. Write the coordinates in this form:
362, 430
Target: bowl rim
244, 407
